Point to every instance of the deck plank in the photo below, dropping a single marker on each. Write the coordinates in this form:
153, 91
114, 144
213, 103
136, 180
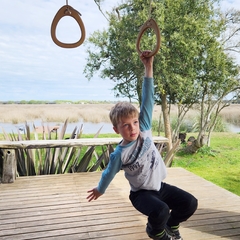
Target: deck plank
55, 207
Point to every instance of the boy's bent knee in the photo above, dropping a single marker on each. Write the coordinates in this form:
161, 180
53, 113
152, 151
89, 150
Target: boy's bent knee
194, 204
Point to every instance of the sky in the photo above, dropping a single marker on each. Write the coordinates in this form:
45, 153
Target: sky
33, 67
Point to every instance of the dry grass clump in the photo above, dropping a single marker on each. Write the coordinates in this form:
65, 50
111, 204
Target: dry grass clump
94, 113
157, 111
18, 113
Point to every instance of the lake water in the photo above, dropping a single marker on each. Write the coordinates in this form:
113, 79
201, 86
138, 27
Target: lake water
88, 128
233, 128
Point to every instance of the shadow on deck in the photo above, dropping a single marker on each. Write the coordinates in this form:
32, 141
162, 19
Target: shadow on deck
55, 207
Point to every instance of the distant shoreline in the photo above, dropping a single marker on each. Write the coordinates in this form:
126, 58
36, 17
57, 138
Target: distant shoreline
61, 102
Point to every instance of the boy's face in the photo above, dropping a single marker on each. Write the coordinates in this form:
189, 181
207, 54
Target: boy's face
128, 128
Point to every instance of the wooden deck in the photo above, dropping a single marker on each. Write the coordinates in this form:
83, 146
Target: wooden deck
55, 207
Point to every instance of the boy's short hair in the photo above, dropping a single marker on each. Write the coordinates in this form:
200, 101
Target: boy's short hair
122, 110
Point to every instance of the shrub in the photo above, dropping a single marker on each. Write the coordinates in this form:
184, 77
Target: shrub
58, 160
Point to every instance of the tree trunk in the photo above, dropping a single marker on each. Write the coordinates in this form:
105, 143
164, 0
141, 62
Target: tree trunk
166, 119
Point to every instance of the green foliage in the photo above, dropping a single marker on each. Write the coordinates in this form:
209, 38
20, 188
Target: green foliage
191, 56
219, 164
206, 151
157, 127
58, 160
192, 66
189, 125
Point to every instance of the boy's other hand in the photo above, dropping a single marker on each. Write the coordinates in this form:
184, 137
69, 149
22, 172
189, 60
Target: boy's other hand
94, 194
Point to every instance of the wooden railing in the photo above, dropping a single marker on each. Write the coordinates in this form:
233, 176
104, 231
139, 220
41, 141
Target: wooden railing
9, 162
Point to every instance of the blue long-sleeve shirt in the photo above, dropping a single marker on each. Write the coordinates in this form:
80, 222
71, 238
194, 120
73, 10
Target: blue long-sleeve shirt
140, 159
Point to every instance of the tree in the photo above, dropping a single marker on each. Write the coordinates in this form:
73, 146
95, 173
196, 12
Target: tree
216, 95
188, 69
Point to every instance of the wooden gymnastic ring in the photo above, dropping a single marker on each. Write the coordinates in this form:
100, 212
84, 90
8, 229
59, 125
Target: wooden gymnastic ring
150, 23
67, 10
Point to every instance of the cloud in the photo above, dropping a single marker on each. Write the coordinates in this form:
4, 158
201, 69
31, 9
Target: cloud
32, 66
228, 4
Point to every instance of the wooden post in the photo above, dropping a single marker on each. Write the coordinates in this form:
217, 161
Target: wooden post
9, 166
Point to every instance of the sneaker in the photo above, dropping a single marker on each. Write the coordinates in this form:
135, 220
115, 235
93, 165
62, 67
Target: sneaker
174, 232
159, 236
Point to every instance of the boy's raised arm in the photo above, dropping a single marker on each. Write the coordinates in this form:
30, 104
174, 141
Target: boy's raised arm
148, 63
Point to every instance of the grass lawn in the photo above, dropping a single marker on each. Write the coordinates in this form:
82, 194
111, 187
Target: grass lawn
219, 163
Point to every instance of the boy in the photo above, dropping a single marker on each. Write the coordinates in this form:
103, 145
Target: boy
165, 205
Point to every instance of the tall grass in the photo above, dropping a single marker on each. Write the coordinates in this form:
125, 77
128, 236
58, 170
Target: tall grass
20, 113
95, 113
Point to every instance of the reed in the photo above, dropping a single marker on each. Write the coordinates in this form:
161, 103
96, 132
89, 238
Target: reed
95, 113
